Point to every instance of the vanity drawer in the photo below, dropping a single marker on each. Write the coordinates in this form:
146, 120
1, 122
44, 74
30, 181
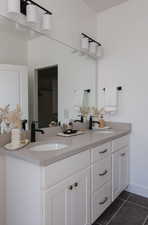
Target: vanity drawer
60, 170
100, 173
101, 200
101, 152
120, 143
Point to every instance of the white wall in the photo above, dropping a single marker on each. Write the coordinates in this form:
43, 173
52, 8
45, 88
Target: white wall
123, 30
70, 18
13, 49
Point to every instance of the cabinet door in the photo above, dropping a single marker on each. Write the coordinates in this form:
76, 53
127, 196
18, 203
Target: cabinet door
115, 175
68, 203
80, 200
120, 171
123, 169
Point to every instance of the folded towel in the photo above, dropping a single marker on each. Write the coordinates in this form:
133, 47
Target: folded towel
110, 102
78, 98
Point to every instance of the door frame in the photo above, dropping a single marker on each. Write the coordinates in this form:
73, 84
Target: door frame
23, 81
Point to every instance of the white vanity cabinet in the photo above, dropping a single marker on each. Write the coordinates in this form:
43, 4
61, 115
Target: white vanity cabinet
72, 191
120, 162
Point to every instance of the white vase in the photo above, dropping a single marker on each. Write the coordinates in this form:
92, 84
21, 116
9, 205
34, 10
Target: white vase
16, 137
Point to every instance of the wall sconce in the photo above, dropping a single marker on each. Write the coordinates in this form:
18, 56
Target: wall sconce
31, 13
14, 7
91, 45
84, 43
46, 22
93, 48
30, 8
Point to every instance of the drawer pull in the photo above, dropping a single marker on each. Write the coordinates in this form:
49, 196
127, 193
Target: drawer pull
103, 151
70, 187
123, 154
104, 201
76, 184
103, 174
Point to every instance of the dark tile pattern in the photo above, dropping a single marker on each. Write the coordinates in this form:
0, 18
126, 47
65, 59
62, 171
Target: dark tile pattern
125, 195
139, 200
127, 209
130, 214
146, 222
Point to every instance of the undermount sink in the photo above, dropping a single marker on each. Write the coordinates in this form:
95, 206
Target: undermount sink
48, 147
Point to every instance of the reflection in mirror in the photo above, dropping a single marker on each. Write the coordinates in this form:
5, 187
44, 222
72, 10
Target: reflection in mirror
58, 75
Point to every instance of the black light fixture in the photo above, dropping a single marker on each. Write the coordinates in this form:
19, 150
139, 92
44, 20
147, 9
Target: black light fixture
24, 3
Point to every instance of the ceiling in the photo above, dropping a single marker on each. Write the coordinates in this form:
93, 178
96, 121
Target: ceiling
101, 5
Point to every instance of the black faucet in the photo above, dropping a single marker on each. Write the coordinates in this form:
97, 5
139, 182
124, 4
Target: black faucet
81, 120
91, 122
34, 130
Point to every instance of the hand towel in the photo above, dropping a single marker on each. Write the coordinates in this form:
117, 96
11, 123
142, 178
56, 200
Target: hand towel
111, 103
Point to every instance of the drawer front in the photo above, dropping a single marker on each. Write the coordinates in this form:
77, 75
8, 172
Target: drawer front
120, 143
101, 152
100, 173
60, 170
101, 200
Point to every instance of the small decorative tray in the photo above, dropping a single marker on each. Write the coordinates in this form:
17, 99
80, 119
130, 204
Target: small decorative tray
10, 147
70, 135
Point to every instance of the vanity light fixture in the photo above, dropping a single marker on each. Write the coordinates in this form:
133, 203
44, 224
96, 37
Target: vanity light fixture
92, 46
29, 8
84, 43
31, 13
46, 22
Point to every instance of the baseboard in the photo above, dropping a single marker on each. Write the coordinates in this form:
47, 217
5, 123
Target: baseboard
139, 190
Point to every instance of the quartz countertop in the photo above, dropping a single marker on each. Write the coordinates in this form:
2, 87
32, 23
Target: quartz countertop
76, 144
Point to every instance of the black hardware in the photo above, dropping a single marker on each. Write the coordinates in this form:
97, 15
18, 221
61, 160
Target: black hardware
91, 122
70, 187
103, 174
87, 91
103, 202
119, 88
34, 130
81, 120
91, 39
76, 184
24, 4
24, 122
104, 151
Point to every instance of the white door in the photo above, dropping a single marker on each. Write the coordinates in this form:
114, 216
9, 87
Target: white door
68, 203
14, 87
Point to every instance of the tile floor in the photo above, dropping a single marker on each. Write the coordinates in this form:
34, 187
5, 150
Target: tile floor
128, 209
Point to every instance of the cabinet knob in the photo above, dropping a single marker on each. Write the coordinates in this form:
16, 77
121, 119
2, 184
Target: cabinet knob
76, 184
103, 174
123, 154
70, 187
104, 151
104, 201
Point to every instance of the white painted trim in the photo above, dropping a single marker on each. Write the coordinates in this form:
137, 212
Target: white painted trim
139, 190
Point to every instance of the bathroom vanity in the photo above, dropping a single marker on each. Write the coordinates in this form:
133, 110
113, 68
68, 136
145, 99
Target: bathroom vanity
69, 186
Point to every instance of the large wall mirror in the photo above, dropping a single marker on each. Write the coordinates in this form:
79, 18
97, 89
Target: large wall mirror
59, 76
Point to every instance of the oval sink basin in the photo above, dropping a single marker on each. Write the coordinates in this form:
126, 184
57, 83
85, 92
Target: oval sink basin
48, 147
